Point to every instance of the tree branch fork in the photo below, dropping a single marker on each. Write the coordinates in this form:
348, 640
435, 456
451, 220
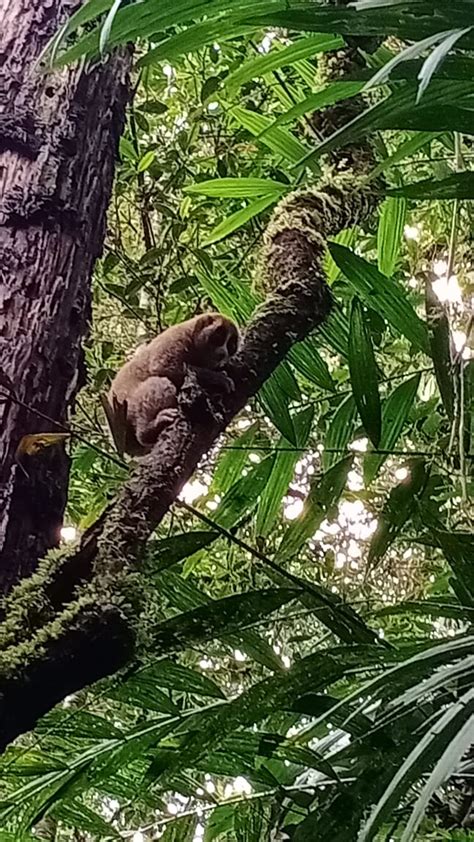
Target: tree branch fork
75, 620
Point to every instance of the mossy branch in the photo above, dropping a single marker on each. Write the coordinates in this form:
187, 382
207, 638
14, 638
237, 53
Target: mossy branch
75, 620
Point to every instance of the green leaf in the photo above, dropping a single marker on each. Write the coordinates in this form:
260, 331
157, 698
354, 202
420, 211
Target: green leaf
340, 432
456, 186
411, 52
363, 372
249, 822
184, 595
243, 496
80, 723
395, 412
399, 506
405, 150
301, 48
219, 617
382, 294
274, 396
307, 360
232, 461
335, 331
239, 218
389, 234
80, 817
324, 494
440, 342
146, 161
345, 237
193, 38
279, 140
180, 829
107, 25
170, 551
282, 473
173, 676
431, 608
458, 549
438, 55
453, 727
237, 187
335, 92
445, 107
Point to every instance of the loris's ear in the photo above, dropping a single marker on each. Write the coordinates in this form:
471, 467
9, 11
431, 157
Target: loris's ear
204, 321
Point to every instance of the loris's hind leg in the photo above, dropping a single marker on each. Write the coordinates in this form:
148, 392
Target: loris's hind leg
154, 406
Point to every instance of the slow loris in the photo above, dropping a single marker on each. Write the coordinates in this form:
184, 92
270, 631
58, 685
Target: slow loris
142, 399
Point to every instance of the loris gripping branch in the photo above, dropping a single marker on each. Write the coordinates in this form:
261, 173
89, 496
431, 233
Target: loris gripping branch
143, 397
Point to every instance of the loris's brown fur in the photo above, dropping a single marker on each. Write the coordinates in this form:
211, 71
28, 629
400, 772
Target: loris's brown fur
144, 392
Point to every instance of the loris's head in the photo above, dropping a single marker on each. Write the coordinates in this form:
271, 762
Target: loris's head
215, 339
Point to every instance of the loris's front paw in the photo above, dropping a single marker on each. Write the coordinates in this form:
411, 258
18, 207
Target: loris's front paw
211, 378
226, 383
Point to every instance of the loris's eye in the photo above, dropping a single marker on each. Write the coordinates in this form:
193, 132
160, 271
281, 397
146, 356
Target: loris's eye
218, 335
232, 346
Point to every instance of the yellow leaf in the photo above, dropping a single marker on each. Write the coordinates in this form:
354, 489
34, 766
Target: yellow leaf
35, 442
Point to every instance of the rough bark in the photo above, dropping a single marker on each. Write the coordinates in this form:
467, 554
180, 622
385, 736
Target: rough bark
88, 599
58, 138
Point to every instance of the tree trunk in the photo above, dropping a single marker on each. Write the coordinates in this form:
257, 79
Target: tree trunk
58, 139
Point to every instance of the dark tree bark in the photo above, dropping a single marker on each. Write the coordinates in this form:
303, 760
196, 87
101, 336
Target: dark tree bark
88, 601
58, 139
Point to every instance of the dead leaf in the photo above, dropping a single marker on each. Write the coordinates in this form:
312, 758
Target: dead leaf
116, 415
33, 443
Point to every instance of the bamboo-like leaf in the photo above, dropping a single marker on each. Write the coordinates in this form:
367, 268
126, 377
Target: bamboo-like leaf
274, 395
219, 617
193, 38
302, 48
186, 596
335, 331
243, 496
243, 188
432, 608
382, 294
282, 473
437, 56
440, 342
307, 360
445, 107
433, 747
399, 506
76, 815
169, 675
363, 372
281, 141
456, 186
107, 25
345, 237
340, 431
458, 549
415, 50
395, 412
335, 92
405, 150
170, 551
324, 493
232, 461
239, 218
180, 829
389, 234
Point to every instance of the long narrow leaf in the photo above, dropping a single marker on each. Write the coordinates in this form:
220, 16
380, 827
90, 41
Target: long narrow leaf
363, 371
